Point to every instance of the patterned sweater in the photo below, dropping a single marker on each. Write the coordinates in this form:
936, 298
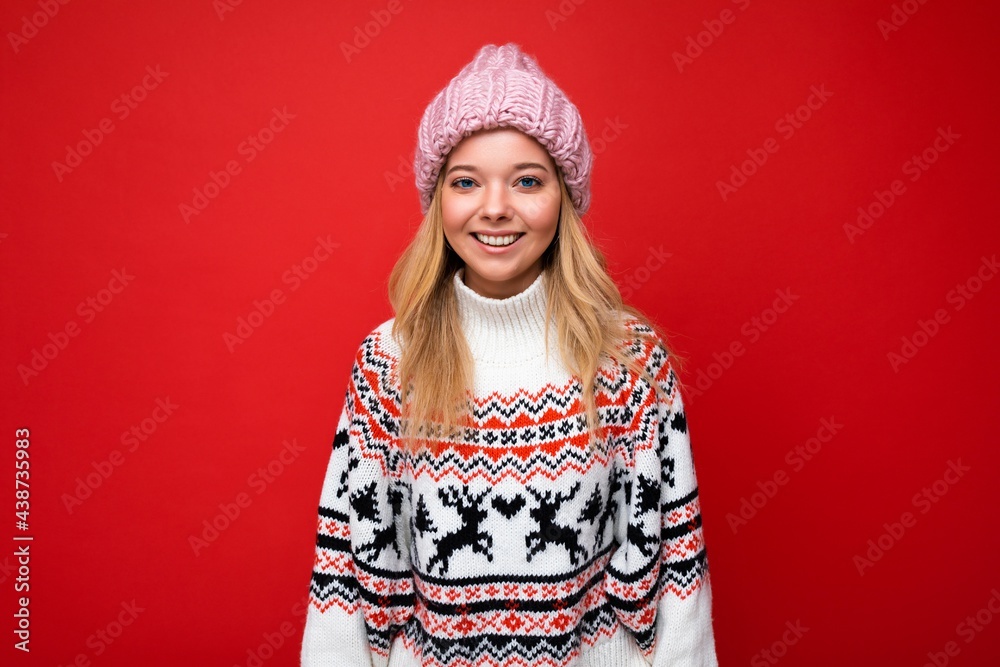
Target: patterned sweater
520, 546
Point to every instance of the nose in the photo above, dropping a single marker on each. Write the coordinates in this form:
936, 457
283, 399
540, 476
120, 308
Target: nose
496, 202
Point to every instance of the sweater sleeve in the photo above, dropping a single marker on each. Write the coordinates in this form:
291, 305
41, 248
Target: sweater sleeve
361, 590
657, 580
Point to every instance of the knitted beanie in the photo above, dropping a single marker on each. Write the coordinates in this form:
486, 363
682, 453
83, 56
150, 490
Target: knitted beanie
504, 87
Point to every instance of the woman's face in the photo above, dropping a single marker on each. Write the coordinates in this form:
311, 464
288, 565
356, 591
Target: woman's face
500, 185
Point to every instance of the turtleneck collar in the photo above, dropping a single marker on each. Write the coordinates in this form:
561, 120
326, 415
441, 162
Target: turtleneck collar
504, 331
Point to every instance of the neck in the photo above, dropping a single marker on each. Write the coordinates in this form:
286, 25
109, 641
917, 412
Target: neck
504, 331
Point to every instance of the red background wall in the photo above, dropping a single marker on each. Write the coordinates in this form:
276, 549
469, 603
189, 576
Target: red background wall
666, 132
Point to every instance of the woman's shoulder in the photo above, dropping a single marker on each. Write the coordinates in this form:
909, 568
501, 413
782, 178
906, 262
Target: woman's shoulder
640, 331
645, 343
379, 343
376, 363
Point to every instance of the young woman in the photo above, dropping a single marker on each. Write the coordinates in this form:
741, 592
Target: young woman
530, 498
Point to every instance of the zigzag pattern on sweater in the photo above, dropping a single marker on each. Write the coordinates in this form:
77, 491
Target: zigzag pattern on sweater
481, 647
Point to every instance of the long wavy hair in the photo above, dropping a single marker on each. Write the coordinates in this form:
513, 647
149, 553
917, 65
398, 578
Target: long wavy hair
435, 369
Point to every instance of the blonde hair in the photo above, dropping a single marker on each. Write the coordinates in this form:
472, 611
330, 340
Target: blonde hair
435, 369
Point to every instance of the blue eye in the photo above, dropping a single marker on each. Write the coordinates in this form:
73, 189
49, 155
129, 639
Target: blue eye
459, 180
529, 178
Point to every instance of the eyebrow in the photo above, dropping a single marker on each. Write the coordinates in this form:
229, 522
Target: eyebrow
520, 165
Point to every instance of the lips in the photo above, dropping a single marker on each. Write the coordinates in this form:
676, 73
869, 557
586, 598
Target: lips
501, 240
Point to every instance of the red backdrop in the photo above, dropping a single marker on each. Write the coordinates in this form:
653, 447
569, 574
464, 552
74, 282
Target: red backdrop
202, 203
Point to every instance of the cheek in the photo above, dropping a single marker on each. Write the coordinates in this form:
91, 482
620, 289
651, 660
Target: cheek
455, 213
451, 220
542, 213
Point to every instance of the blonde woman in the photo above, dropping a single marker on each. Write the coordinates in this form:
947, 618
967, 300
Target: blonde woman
530, 497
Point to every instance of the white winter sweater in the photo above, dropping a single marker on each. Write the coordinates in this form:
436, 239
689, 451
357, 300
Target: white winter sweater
519, 546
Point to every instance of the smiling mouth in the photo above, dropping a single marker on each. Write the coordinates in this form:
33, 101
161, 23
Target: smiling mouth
498, 241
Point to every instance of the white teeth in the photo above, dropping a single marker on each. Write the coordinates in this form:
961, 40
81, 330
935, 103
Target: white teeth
497, 240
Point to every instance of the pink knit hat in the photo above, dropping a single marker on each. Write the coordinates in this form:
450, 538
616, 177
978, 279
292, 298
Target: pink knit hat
503, 87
